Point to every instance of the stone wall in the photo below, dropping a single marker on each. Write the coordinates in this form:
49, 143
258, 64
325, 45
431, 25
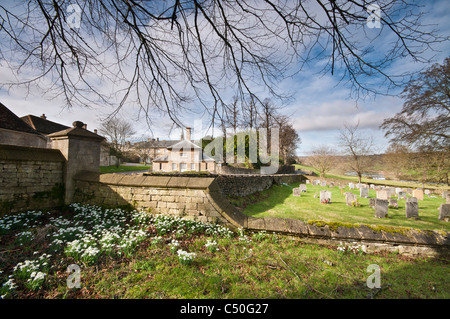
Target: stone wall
30, 178
201, 198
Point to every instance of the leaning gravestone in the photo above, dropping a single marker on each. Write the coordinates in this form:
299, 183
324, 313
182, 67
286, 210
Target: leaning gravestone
372, 202
444, 212
364, 192
381, 208
383, 194
302, 188
411, 199
325, 196
296, 192
412, 209
418, 193
401, 195
349, 198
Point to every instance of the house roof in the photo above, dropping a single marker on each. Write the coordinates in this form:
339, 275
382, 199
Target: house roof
10, 121
162, 158
77, 131
43, 125
184, 145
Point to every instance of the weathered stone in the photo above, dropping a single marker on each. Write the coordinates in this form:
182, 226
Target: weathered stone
325, 196
411, 199
302, 188
412, 209
323, 183
351, 199
381, 208
364, 192
372, 202
296, 192
418, 193
383, 194
444, 212
392, 202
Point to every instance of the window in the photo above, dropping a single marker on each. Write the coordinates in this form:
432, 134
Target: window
183, 167
206, 166
192, 167
160, 166
183, 154
174, 166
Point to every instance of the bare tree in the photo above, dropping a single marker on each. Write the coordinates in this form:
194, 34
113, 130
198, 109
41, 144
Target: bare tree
358, 147
425, 116
117, 131
160, 55
289, 139
323, 158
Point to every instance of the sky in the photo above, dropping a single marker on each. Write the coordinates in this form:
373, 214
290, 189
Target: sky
320, 106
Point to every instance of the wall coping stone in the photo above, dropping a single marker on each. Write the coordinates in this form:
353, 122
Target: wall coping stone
24, 153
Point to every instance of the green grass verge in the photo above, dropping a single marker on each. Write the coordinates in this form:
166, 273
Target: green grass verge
123, 168
244, 265
278, 201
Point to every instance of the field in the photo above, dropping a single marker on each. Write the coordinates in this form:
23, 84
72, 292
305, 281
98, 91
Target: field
278, 201
130, 254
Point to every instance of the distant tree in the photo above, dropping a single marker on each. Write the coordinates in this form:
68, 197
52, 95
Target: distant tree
117, 131
323, 158
289, 139
358, 148
425, 116
396, 159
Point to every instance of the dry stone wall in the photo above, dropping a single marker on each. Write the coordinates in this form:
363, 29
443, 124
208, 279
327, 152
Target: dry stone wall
30, 178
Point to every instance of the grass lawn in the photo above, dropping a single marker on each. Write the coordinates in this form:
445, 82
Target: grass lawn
135, 255
123, 168
278, 201
374, 181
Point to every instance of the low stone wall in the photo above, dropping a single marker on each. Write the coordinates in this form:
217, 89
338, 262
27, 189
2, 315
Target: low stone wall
201, 198
243, 185
30, 178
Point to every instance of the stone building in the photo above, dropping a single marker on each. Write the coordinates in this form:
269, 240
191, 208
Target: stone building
14, 131
184, 156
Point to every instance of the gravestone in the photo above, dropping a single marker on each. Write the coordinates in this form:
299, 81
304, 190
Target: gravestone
444, 194
325, 196
418, 193
372, 186
331, 184
427, 192
401, 195
308, 181
296, 192
302, 188
398, 190
351, 185
391, 191
372, 202
364, 192
383, 194
358, 185
411, 199
412, 209
409, 191
315, 182
381, 208
444, 212
323, 183
349, 198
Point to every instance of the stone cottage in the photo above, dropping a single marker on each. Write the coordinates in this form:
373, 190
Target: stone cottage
184, 156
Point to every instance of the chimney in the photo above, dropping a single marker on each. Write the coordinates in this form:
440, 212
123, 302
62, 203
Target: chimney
43, 117
188, 133
157, 139
95, 131
85, 126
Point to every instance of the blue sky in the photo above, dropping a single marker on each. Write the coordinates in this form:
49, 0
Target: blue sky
319, 108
